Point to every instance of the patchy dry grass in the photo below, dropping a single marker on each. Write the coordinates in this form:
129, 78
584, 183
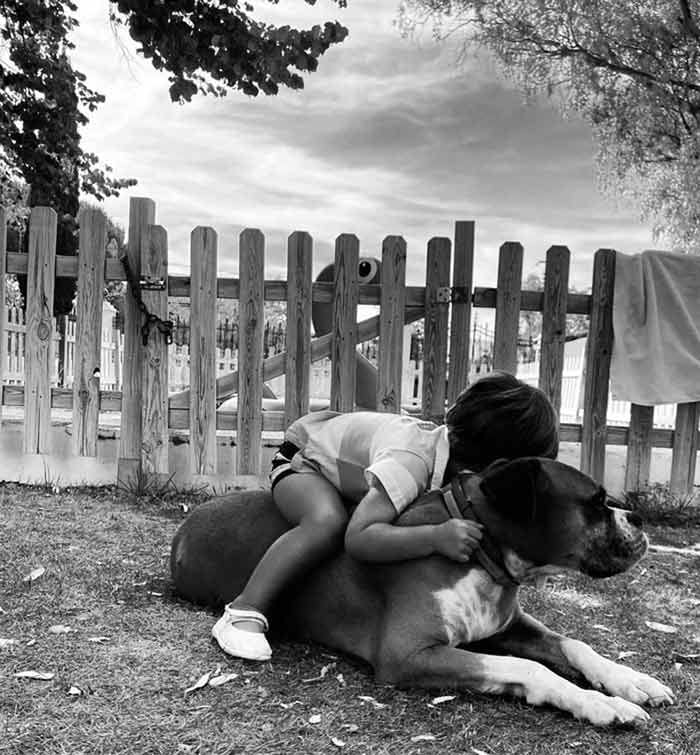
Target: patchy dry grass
106, 563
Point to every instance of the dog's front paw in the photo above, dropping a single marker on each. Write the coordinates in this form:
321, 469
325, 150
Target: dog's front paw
601, 710
631, 685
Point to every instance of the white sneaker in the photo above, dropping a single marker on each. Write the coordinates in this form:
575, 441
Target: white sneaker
252, 646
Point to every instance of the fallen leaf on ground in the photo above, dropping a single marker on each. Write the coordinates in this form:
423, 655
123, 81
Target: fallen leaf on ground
442, 699
602, 627
5, 643
341, 679
201, 682
350, 727
324, 671
42, 676
315, 719
656, 626
100, 639
34, 574
626, 654
217, 681
423, 738
59, 629
370, 699
337, 742
75, 691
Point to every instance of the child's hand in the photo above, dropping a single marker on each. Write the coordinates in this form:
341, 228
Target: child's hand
457, 538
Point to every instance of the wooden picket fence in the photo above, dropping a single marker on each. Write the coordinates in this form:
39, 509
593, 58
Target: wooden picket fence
148, 414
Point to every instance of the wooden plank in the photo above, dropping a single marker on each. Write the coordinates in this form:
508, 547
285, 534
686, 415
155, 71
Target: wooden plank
437, 311
638, 461
510, 273
556, 286
685, 448
532, 301
203, 262
250, 360
344, 332
154, 381
3, 302
142, 213
298, 347
39, 330
390, 352
461, 309
88, 335
598, 354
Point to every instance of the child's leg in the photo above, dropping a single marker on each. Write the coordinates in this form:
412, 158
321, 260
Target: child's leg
315, 507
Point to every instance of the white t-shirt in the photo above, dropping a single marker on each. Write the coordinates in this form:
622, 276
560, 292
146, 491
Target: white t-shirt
352, 450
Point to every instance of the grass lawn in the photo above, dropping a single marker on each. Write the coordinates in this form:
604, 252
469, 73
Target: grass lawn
122, 650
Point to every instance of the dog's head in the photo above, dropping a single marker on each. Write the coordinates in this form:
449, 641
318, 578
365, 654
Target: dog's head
548, 514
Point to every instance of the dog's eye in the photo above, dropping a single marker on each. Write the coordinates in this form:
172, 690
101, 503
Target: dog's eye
367, 269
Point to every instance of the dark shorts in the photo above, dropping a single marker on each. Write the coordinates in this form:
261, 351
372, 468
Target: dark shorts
282, 463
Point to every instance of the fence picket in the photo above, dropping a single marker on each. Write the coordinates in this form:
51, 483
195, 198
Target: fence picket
297, 373
344, 333
553, 339
393, 303
250, 359
510, 273
598, 354
88, 331
685, 447
142, 213
4, 356
203, 263
461, 315
154, 386
639, 447
437, 305
39, 330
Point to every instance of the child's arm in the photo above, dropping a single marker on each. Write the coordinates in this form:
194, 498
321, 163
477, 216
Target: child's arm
370, 536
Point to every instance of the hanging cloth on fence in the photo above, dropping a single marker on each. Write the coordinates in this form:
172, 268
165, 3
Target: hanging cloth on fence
656, 325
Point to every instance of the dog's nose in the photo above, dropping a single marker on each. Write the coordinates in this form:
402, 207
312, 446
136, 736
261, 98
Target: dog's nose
634, 519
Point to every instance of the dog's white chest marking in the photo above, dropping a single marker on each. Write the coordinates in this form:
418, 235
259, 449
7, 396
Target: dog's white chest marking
471, 609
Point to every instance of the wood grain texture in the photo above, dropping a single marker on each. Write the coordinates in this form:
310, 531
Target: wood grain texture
510, 273
3, 314
88, 331
298, 363
393, 304
344, 330
250, 361
556, 287
142, 212
598, 355
638, 461
685, 448
154, 381
39, 333
203, 264
461, 309
437, 277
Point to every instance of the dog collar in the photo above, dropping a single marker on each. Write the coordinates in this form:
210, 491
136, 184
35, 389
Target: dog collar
487, 553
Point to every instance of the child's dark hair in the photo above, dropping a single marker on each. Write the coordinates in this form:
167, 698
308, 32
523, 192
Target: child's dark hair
500, 417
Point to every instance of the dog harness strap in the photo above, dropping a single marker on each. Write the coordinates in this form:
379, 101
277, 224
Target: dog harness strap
451, 503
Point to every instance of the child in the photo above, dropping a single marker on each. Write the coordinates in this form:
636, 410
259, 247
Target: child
382, 462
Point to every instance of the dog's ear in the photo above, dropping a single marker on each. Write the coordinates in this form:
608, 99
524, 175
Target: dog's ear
511, 487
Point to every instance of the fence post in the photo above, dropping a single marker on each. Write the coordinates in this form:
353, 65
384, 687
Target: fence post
142, 213
3, 303
510, 273
556, 291
39, 329
344, 333
250, 350
437, 312
639, 447
598, 354
685, 447
203, 264
299, 291
391, 311
88, 334
461, 309
154, 380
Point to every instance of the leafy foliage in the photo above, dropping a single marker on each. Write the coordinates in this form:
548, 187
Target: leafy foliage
630, 68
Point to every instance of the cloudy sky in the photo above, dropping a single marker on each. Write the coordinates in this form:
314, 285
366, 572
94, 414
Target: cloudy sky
389, 136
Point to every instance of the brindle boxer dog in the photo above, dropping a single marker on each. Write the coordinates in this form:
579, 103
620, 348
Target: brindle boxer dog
433, 622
